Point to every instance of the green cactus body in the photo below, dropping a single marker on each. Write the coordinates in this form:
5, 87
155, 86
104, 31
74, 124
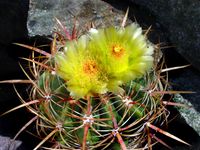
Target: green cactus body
98, 91
71, 114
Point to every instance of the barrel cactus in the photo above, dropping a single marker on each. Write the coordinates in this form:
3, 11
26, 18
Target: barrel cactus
103, 89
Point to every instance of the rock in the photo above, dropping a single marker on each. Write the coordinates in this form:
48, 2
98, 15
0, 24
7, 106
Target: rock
187, 79
42, 14
7, 144
191, 115
181, 20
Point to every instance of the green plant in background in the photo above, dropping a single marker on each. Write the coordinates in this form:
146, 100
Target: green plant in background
101, 90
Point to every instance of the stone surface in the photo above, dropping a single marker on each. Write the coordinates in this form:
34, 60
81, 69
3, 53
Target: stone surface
181, 20
187, 79
42, 14
191, 116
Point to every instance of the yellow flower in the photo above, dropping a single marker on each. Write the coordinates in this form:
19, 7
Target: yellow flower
82, 71
125, 52
105, 60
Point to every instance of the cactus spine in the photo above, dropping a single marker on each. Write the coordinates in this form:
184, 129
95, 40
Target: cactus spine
98, 91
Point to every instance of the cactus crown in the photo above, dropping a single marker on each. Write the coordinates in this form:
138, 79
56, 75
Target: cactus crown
104, 60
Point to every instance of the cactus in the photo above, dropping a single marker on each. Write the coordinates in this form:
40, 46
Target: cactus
100, 90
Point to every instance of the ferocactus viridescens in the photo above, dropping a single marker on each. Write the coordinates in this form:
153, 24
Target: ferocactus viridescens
104, 59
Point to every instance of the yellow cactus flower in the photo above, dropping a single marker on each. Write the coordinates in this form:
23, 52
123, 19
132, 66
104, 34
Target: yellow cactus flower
109, 58
125, 52
83, 73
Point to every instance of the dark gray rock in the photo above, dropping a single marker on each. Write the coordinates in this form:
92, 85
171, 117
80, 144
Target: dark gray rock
42, 14
191, 115
181, 19
188, 79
